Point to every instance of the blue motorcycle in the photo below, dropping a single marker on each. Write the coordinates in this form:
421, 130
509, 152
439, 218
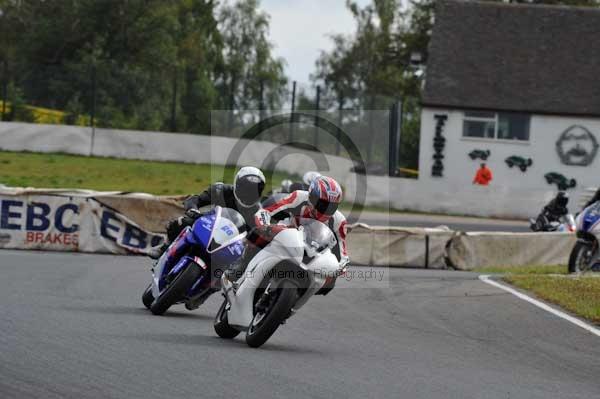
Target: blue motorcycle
183, 274
585, 256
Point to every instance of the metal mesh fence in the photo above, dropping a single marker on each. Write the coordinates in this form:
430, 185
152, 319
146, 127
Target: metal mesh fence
169, 100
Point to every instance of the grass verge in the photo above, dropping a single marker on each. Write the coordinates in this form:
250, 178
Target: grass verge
22, 169
534, 269
579, 295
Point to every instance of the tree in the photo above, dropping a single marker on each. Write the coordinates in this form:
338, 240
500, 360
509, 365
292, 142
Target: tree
153, 64
250, 70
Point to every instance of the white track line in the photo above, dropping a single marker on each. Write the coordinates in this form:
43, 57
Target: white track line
542, 305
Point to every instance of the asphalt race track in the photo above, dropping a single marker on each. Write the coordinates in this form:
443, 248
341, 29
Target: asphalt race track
458, 223
73, 326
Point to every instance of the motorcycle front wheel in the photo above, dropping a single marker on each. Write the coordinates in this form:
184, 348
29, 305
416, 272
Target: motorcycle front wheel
275, 307
581, 256
221, 325
147, 297
176, 290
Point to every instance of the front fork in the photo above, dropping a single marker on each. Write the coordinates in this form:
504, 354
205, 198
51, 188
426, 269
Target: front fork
595, 258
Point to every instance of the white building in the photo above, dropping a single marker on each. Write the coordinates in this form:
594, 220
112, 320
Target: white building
516, 87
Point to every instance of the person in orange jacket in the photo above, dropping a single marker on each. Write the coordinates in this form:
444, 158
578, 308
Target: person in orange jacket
483, 176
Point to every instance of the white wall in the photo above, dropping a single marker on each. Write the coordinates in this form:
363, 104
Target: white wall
438, 197
159, 146
459, 169
512, 193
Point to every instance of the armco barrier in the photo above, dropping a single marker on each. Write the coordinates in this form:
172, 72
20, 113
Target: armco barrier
466, 251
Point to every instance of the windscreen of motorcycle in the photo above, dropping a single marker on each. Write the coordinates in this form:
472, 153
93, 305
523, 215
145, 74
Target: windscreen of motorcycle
317, 235
228, 232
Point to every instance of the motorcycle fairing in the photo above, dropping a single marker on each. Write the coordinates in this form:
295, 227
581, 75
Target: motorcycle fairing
199, 238
286, 246
590, 218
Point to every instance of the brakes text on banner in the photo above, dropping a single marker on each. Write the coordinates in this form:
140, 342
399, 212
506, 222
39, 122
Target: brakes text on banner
40, 223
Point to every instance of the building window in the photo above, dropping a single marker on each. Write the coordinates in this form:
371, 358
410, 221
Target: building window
496, 125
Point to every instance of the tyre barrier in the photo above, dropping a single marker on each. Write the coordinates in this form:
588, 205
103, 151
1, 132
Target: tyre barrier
132, 223
397, 246
467, 251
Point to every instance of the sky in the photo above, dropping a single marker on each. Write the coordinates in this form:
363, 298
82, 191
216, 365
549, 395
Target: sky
299, 29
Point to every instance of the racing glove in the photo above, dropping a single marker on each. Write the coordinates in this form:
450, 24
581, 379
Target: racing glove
343, 265
175, 226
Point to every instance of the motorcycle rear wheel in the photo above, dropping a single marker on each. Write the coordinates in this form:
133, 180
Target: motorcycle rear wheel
580, 257
263, 325
176, 290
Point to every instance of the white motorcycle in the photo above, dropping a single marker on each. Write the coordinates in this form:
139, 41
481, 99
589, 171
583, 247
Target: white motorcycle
278, 281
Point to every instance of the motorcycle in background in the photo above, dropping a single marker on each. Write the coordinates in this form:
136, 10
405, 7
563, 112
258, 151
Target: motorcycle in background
183, 273
585, 256
279, 280
566, 223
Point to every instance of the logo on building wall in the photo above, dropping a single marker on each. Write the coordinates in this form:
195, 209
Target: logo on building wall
519, 162
480, 154
439, 141
577, 146
562, 183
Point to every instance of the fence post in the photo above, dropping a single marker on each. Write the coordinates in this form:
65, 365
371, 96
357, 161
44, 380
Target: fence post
261, 100
372, 137
291, 132
4, 87
317, 103
231, 104
93, 110
261, 110
394, 138
339, 126
174, 103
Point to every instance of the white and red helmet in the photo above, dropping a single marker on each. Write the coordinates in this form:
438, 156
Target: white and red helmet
325, 195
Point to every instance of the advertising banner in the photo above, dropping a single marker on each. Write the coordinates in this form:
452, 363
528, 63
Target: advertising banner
69, 223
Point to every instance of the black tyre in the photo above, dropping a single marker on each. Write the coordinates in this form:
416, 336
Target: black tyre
147, 297
523, 168
176, 290
580, 257
222, 327
264, 324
